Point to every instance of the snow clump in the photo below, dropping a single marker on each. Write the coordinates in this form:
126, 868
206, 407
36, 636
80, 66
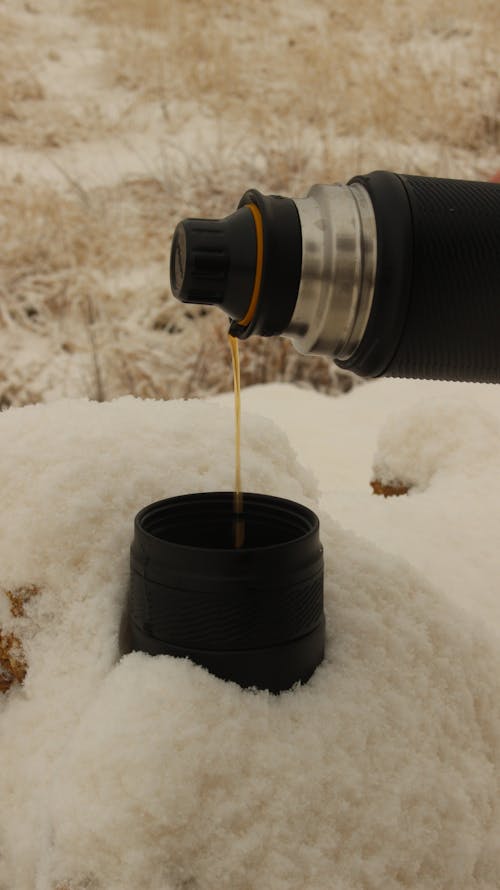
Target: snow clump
122, 771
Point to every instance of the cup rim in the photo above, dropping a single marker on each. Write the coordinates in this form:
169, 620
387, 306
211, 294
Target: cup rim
272, 500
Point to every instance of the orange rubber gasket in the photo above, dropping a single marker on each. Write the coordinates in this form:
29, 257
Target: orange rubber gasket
254, 299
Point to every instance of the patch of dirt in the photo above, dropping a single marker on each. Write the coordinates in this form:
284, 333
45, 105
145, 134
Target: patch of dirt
394, 489
13, 665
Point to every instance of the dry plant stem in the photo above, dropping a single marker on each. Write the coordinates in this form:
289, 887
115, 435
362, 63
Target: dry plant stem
91, 321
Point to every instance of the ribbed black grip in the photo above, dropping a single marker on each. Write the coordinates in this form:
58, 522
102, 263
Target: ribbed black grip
452, 329
436, 308
210, 619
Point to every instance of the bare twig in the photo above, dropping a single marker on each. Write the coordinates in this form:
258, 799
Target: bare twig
91, 319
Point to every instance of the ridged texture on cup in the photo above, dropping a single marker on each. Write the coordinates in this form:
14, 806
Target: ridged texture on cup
192, 589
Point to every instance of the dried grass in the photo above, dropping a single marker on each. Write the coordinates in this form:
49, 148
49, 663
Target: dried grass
291, 93
31, 116
391, 70
20, 91
28, 117
92, 326
13, 665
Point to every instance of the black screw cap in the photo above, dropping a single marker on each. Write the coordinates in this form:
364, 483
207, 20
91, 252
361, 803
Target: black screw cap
213, 261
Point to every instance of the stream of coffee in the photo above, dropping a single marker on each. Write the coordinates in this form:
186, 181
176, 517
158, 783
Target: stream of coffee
239, 520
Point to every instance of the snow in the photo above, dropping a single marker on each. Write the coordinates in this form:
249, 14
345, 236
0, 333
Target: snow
444, 438
122, 771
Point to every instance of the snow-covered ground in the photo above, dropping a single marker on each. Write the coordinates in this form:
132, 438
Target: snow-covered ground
382, 772
440, 439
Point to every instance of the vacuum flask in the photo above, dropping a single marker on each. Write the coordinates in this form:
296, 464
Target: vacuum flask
388, 274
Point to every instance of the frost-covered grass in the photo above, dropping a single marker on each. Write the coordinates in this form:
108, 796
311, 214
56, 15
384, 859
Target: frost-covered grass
118, 118
389, 69
77, 318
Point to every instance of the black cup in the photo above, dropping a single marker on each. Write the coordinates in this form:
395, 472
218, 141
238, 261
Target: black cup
252, 614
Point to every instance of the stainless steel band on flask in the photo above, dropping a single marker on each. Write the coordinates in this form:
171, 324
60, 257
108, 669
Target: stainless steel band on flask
339, 255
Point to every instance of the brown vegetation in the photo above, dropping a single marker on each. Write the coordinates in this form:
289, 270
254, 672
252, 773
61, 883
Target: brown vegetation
121, 118
390, 70
12, 661
19, 597
13, 664
390, 489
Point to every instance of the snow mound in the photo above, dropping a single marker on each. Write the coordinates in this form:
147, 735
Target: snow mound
129, 772
440, 437
436, 437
